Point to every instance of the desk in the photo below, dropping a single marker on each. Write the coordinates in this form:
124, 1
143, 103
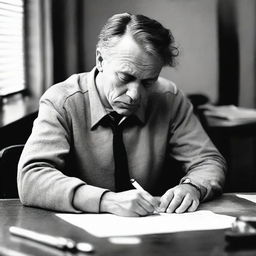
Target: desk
191, 243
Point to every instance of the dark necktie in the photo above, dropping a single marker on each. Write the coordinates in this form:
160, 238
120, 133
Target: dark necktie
122, 177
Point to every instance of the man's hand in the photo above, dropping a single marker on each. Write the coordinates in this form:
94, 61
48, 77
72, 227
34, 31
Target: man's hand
131, 203
179, 199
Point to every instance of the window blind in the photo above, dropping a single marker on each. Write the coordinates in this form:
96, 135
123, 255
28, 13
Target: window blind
12, 71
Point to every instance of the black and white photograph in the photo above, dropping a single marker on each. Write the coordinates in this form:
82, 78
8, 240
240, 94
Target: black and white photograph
128, 127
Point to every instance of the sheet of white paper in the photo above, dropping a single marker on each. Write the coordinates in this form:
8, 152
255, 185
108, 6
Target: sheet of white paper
107, 225
251, 198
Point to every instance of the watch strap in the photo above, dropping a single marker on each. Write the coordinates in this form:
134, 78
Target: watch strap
189, 182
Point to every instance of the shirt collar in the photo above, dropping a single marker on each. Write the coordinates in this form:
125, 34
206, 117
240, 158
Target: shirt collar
98, 110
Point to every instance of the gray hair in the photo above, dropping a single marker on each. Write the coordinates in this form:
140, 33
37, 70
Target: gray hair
149, 33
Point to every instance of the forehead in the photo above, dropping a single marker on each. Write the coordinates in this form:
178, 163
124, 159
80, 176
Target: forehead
129, 57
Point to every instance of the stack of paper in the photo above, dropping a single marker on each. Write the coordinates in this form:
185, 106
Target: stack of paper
107, 225
229, 112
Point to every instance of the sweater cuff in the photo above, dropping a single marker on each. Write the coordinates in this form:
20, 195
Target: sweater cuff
87, 198
101, 198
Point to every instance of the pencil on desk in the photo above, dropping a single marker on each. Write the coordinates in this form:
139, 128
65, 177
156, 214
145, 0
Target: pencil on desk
57, 242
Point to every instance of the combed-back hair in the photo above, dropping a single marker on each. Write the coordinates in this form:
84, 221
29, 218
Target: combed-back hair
149, 33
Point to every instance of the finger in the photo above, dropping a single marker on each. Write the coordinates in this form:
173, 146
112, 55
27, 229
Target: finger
185, 204
148, 209
127, 213
151, 203
193, 206
165, 201
176, 201
147, 201
146, 205
139, 209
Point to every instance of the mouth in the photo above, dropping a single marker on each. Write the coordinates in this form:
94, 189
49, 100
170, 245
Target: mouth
127, 105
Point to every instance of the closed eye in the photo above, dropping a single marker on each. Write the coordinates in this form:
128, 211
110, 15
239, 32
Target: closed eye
148, 82
125, 78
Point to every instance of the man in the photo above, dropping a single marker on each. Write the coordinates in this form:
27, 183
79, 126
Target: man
69, 164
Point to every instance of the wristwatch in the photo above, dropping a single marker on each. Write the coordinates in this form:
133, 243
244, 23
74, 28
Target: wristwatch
189, 182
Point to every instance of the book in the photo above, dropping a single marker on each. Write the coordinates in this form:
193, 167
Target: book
229, 112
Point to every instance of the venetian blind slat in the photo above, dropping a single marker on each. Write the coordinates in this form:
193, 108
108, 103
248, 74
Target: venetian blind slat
12, 77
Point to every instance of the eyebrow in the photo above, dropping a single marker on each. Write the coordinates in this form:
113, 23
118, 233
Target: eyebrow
132, 76
150, 79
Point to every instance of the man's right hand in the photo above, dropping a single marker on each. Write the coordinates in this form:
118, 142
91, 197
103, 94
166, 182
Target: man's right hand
132, 203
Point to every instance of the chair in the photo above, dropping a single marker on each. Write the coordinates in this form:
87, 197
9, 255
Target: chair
9, 158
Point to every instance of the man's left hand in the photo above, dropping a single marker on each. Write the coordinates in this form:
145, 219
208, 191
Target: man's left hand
179, 199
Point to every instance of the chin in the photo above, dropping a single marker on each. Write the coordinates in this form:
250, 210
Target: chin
124, 112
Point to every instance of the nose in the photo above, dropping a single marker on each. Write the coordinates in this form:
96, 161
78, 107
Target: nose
134, 93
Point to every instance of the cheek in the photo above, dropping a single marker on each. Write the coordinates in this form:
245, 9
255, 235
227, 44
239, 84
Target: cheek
115, 90
108, 85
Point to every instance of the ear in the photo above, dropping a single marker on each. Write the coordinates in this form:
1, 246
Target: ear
99, 60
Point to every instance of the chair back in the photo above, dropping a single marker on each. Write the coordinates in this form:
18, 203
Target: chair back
9, 158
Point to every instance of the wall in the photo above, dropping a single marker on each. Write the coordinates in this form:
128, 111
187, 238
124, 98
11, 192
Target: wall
193, 23
247, 35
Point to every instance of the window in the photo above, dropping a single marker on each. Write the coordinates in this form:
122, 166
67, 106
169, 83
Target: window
12, 72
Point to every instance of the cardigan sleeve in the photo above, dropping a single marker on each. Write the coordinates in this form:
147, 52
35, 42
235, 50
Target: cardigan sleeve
190, 145
42, 179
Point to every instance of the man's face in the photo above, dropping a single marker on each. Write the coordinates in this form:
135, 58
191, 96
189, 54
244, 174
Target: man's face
126, 76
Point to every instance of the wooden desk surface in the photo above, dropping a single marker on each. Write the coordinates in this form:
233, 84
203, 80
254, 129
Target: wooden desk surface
190, 243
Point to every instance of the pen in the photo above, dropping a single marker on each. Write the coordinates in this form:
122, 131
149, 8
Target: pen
140, 188
61, 243
137, 185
